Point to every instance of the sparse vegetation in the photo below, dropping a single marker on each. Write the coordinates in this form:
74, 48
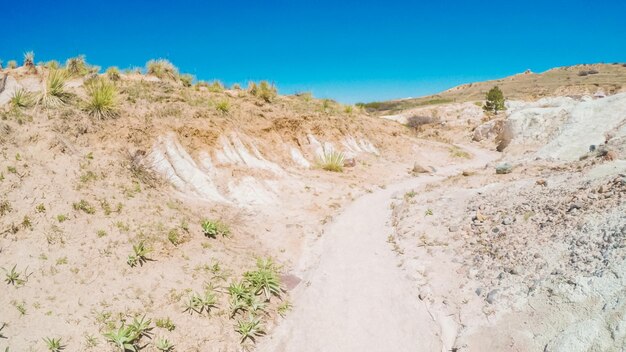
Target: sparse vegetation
223, 106
124, 338
186, 79
61, 217
53, 344
263, 90
215, 228
139, 256
162, 344
84, 206
250, 328
113, 73
12, 64
165, 323
102, 102
199, 303
13, 277
162, 68
265, 279
332, 161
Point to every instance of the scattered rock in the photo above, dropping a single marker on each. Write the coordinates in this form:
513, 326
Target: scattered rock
491, 296
541, 182
479, 291
350, 162
504, 168
573, 206
508, 220
453, 228
419, 169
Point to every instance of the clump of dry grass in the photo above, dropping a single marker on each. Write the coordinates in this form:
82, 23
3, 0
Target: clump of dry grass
22, 99
332, 161
162, 68
76, 66
113, 73
263, 90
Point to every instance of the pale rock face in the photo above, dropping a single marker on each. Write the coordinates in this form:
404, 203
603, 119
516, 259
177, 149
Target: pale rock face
563, 128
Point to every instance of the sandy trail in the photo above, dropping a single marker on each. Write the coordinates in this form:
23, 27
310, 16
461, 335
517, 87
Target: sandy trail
355, 297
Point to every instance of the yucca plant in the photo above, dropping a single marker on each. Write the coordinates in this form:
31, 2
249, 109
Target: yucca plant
162, 68
54, 93
76, 66
249, 329
200, 303
29, 59
54, 345
162, 344
12, 64
102, 102
13, 277
113, 73
332, 161
22, 99
214, 228
123, 338
142, 327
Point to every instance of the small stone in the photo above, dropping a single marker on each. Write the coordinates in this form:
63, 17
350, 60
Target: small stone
574, 206
504, 168
541, 182
507, 220
453, 228
419, 169
350, 162
479, 291
495, 230
491, 296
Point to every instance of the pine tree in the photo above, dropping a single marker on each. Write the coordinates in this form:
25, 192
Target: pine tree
495, 100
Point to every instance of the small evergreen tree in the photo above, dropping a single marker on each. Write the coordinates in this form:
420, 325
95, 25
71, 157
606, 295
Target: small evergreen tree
495, 100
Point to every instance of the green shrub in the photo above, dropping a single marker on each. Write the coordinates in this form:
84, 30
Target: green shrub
162, 68
495, 100
102, 102
113, 73
54, 93
214, 228
332, 161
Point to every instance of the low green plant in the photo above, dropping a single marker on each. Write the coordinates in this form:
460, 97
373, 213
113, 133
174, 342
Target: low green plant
283, 308
162, 344
102, 99
22, 99
113, 73
101, 233
250, 328
332, 161
265, 279
54, 344
13, 277
199, 303
123, 338
162, 68
61, 217
214, 228
174, 237
40, 208
165, 323
139, 256
83, 205
54, 93
142, 326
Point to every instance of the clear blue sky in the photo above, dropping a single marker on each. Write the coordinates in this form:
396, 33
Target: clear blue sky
347, 50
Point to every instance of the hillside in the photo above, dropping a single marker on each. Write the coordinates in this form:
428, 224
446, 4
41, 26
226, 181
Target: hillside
561, 81
143, 210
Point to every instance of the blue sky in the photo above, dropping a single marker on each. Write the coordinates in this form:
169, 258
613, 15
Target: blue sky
350, 50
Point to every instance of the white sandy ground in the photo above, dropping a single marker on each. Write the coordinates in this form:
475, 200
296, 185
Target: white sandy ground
354, 297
